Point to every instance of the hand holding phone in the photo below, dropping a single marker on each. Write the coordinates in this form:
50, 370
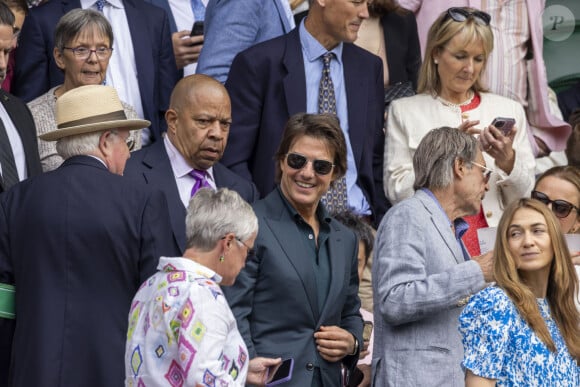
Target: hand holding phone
280, 373
197, 29
504, 124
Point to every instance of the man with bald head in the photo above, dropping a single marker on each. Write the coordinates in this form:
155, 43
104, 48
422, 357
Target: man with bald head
198, 124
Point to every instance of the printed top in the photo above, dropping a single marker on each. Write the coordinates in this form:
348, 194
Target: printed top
182, 331
499, 344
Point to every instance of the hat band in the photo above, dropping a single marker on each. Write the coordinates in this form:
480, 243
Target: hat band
98, 119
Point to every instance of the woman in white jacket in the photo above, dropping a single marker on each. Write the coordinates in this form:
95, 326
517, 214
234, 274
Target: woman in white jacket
451, 94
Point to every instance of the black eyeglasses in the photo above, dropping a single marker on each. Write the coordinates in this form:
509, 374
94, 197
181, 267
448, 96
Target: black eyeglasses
250, 252
298, 161
461, 15
560, 208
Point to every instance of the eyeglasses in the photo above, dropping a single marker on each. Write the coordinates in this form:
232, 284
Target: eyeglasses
250, 252
560, 208
129, 140
486, 171
83, 53
298, 161
461, 15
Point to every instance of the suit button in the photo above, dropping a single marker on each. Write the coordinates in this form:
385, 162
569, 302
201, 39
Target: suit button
309, 366
488, 214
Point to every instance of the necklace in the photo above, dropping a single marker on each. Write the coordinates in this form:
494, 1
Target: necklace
455, 105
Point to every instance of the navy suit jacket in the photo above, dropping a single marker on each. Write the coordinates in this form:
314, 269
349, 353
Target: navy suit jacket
77, 243
24, 124
267, 84
36, 71
152, 166
275, 296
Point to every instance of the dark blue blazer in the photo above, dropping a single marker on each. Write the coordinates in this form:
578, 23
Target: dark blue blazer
77, 243
275, 296
151, 165
24, 124
36, 71
267, 85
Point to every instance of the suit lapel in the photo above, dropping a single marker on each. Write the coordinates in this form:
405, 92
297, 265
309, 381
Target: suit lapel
282, 15
142, 52
357, 101
441, 223
220, 178
289, 238
68, 5
337, 256
295, 79
159, 173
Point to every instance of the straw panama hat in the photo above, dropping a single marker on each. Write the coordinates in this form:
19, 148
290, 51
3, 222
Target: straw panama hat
88, 109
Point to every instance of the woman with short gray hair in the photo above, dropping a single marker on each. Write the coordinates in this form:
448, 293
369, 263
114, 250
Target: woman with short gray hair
83, 46
180, 324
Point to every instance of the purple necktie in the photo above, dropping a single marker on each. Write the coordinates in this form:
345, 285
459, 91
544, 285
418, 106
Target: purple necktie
200, 180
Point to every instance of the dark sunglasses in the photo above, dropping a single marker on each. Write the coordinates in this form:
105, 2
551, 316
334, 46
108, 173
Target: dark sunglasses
298, 161
560, 208
461, 15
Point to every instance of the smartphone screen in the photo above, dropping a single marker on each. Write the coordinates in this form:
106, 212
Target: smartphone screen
280, 373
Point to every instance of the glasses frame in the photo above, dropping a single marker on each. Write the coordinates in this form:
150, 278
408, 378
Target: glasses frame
316, 164
129, 141
75, 51
460, 15
555, 204
250, 252
486, 171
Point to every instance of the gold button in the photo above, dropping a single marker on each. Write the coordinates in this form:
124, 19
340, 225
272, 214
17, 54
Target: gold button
488, 214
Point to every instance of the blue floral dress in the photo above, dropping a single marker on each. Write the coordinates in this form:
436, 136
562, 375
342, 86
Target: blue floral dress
499, 344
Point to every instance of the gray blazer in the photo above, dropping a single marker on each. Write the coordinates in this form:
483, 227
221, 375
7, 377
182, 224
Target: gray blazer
420, 283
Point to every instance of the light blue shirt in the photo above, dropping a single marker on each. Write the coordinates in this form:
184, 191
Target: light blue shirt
312, 51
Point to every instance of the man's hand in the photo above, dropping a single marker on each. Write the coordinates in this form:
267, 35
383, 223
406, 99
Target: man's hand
257, 370
333, 343
186, 48
485, 261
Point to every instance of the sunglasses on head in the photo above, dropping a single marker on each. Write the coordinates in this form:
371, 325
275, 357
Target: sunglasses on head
298, 161
461, 15
560, 208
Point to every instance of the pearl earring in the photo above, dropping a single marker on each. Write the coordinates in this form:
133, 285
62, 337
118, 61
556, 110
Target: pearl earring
435, 61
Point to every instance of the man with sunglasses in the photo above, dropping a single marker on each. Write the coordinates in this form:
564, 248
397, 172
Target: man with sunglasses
198, 125
75, 245
515, 68
315, 68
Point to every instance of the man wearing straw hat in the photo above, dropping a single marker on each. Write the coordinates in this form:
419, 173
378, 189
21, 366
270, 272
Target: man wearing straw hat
75, 244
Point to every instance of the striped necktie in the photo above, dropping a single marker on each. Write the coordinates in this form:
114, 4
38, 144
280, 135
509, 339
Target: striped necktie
9, 173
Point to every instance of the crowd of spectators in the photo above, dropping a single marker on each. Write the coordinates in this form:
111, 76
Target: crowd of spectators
193, 191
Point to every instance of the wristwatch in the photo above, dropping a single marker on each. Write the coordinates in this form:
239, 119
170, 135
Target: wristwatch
355, 346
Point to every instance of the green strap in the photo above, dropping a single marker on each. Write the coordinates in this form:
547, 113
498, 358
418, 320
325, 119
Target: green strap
7, 293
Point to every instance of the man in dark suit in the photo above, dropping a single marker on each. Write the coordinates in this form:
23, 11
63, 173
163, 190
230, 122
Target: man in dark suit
76, 243
198, 122
144, 77
273, 80
18, 146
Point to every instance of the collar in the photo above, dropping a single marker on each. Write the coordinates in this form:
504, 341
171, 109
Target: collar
85, 4
321, 213
178, 163
169, 264
312, 48
459, 225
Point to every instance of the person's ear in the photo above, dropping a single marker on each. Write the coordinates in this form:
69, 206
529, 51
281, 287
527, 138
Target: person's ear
106, 144
171, 119
228, 239
459, 168
58, 58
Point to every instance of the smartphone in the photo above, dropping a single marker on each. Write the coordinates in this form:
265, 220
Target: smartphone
280, 373
504, 124
367, 330
197, 29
